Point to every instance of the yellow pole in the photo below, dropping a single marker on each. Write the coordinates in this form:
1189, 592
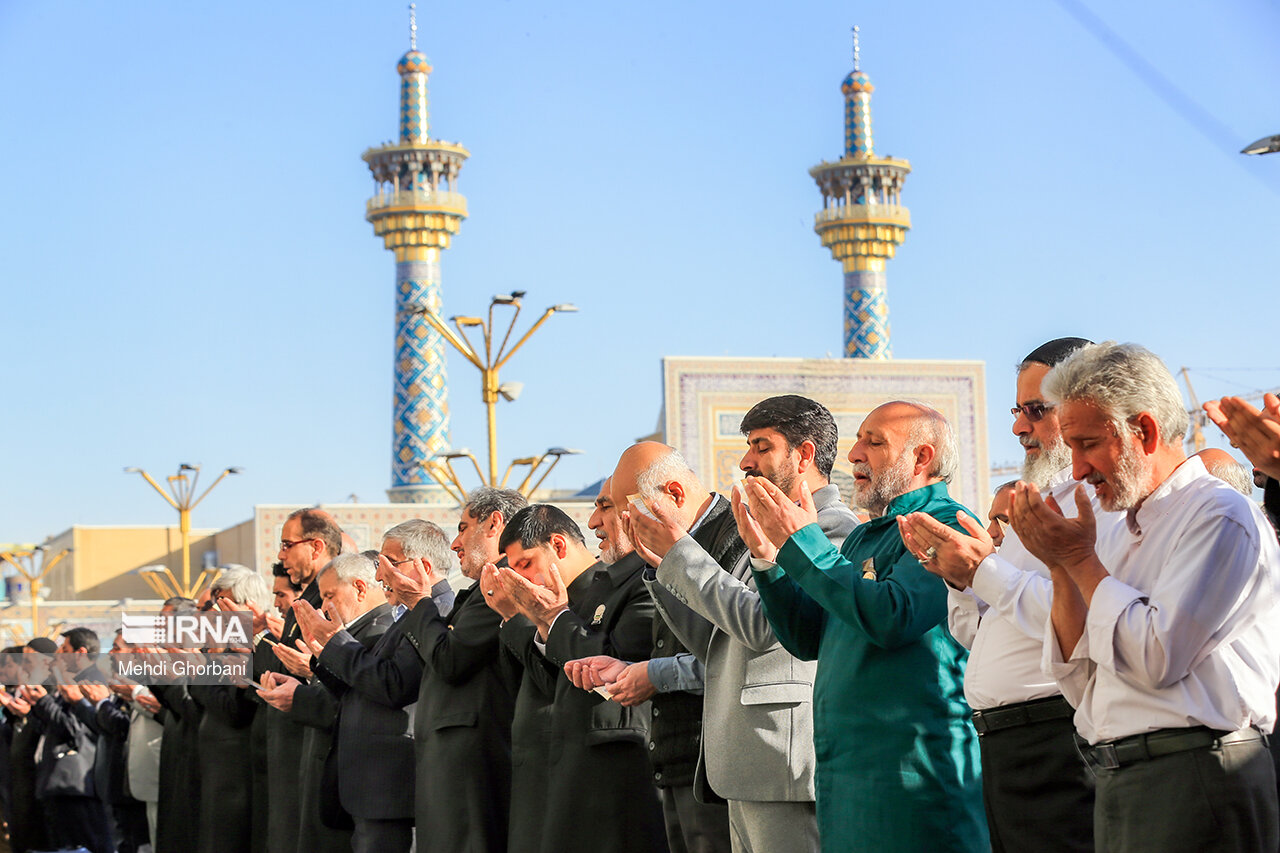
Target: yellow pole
184, 526
491, 404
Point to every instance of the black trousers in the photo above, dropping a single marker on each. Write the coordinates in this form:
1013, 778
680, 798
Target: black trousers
382, 836
78, 821
1037, 791
1221, 798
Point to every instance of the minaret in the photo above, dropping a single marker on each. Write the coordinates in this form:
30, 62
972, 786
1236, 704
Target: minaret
862, 220
416, 210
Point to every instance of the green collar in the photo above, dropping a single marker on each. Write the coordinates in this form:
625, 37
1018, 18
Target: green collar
912, 501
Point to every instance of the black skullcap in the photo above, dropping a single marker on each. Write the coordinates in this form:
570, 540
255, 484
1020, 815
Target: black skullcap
1055, 351
43, 645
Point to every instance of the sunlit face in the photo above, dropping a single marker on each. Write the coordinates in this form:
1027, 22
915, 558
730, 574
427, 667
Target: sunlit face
283, 594
883, 464
298, 558
998, 515
394, 552
1041, 440
341, 599
1111, 460
533, 564
604, 521
770, 456
224, 601
473, 545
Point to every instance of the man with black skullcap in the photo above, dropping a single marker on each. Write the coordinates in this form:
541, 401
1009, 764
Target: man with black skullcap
1037, 792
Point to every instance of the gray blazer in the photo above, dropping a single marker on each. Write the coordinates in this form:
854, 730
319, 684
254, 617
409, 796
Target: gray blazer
757, 727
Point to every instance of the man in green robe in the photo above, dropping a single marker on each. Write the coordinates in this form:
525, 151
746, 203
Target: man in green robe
898, 765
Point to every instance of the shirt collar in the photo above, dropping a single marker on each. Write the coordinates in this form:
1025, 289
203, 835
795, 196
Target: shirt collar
913, 500
398, 611
711, 504
1153, 505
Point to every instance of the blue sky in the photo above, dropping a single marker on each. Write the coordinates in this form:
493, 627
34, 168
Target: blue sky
187, 275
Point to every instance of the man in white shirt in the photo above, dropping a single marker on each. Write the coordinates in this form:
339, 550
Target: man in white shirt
1164, 632
1037, 792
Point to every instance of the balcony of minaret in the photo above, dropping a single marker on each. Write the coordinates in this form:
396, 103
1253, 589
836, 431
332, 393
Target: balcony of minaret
391, 201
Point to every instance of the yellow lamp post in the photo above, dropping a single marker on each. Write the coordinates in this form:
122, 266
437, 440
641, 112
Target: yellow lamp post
489, 363
23, 558
180, 496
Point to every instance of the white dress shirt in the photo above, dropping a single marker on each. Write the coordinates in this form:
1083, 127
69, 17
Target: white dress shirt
1002, 618
1185, 632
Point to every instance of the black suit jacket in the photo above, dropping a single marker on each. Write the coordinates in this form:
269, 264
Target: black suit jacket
463, 723
177, 826
597, 748
376, 688
226, 767
284, 744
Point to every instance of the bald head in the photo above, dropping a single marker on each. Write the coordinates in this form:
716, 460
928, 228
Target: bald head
652, 470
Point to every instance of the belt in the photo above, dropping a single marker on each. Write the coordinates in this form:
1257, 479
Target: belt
1161, 742
1021, 714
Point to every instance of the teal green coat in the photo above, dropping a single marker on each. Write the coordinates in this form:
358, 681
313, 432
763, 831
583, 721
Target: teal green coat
898, 766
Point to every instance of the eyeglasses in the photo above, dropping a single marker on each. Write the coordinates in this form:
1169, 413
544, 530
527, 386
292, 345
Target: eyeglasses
285, 544
1032, 411
395, 564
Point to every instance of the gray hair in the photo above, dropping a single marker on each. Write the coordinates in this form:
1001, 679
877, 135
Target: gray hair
667, 467
425, 540
933, 428
484, 501
1123, 380
353, 566
1234, 475
244, 585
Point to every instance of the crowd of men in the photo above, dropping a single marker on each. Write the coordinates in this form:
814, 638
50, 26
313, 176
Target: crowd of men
759, 672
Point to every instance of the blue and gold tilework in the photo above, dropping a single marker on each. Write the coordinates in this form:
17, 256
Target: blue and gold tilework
413, 70
866, 315
420, 428
857, 91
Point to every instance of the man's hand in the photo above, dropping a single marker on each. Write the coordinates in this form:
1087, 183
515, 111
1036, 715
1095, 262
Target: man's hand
541, 604
412, 581
70, 692
316, 629
275, 624
297, 661
777, 516
95, 693
595, 671
148, 701
1062, 544
654, 538
33, 693
495, 594
749, 530
632, 685
945, 552
280, 690
1256, 433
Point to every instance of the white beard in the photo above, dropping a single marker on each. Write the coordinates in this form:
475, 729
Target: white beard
876, 494
1127, 482
1040, 468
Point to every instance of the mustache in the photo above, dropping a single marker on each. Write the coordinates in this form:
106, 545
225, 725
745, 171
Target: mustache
1030, 441
863, 468
1095, 479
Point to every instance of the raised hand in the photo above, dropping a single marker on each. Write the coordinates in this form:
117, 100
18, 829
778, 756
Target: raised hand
541, 604
279, 692
1053, 539
495, 594
654, 537
297, 661
947, 553
316, 629
749, 529
1256, 432
95, 693
413, 581
776, 514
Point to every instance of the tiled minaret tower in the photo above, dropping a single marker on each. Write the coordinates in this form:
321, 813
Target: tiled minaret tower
862, 220
416, 210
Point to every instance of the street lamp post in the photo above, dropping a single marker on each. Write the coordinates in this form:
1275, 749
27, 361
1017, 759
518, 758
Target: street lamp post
180, 496
22, 558
490, 362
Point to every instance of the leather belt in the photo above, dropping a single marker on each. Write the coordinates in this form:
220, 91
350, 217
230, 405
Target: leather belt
1021, 714
1144, 747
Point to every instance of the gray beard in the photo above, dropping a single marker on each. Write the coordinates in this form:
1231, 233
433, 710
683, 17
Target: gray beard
1133, 472
1039, 469
876, 495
